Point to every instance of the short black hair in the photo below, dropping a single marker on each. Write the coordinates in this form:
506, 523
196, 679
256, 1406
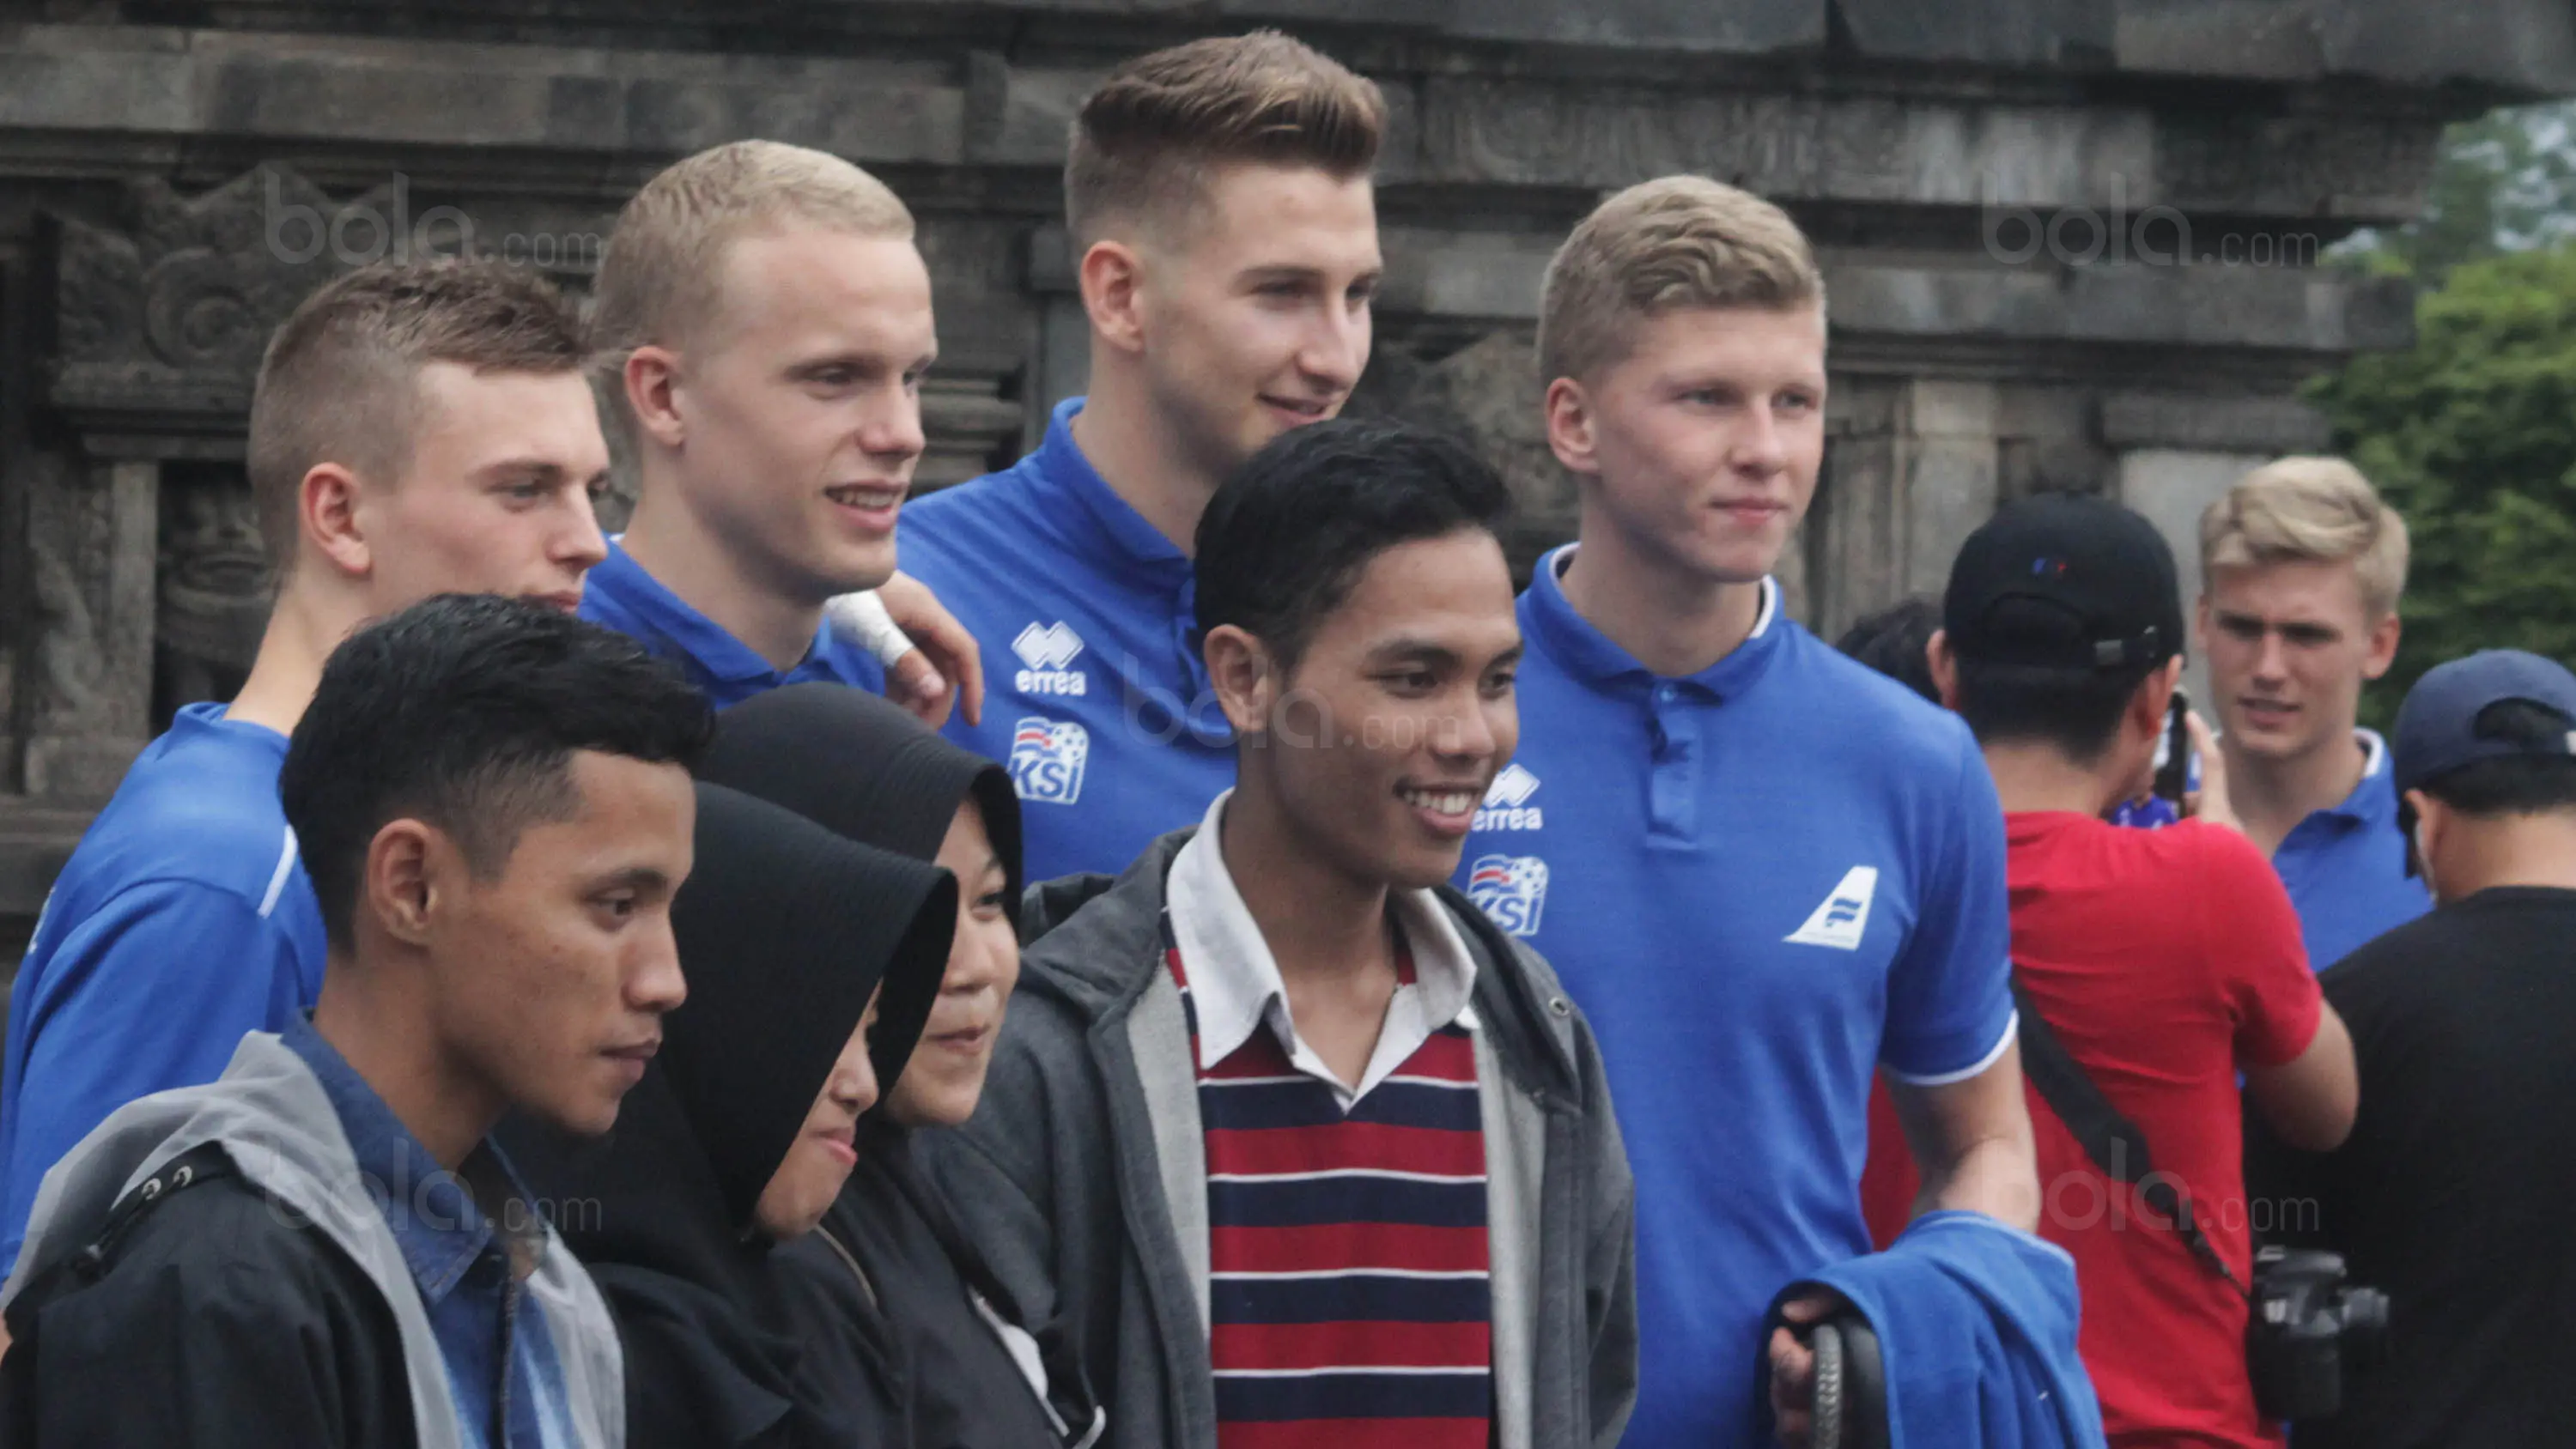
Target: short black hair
464, 711
1892, 641
2076, 710
2503, 785
1284, 540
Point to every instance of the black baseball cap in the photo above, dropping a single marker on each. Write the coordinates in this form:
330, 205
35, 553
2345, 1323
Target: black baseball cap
2437, 727
2066, 582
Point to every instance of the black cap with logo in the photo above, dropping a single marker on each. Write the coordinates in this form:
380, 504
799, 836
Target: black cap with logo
2065, 582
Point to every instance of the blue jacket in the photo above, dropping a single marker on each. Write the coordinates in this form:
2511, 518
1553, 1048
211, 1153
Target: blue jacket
1976, 1328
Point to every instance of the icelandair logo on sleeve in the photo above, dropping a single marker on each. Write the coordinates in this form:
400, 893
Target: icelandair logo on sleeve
1844, 917
1507, 804
1046, 650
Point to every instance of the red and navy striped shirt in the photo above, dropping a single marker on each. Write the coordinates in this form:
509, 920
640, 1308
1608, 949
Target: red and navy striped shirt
1349, 1301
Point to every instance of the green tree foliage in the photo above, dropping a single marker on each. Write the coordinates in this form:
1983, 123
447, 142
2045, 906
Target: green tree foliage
2472, 435
2505, 182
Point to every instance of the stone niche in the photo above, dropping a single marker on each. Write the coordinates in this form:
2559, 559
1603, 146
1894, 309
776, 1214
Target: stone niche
2071, 244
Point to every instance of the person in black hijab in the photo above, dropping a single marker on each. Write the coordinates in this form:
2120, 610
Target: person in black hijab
812, 963
980, 1376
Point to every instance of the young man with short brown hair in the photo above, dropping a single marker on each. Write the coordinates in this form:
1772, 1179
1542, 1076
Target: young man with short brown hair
1219, 200
2301, 569
415, 430
1764, 870
765, 317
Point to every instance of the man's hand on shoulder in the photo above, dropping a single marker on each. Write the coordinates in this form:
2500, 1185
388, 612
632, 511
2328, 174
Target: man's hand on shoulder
932, 663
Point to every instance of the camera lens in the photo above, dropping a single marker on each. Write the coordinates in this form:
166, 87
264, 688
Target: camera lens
2365, 1324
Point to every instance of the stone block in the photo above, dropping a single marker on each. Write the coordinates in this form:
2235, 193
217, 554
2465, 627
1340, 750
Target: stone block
2198, 306
2227, 424
2249, 39
1743, 27
1464, 274
2525, 47
2053, 34
1851, 147
2171, 486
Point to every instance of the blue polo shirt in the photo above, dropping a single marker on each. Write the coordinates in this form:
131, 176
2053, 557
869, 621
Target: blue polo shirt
1761, 881
1096, 698
2345, 866
501, 1367
619, 594
182, 920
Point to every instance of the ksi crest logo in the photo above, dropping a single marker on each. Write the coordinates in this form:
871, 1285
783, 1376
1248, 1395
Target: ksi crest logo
1510, 889
1047, 759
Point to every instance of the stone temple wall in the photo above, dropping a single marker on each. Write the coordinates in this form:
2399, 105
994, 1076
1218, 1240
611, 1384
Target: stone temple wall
2070, 243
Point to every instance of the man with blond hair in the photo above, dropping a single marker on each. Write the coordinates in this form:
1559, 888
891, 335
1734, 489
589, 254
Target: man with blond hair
764, 318
1219, 199
2301, 568
1763, 870
414, 430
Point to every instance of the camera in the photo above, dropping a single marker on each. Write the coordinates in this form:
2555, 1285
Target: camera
2306, 1325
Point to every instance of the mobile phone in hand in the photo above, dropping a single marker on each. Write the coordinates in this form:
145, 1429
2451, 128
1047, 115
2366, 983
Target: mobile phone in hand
2173, 770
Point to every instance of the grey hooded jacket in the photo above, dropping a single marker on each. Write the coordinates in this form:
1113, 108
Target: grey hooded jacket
1083, 1176
270, 1115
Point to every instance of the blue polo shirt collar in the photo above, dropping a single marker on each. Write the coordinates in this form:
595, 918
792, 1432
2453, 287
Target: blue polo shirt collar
1592, 657
435, 1220
707, 642
2371, 801
1105, 527
1113, 524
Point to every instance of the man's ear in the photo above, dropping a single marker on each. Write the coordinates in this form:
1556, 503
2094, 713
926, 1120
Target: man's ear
2155, 695
1570, 433
327, 514
1945, 667
1112, 277
1246, 680
651, 378
408, 866
2383, 646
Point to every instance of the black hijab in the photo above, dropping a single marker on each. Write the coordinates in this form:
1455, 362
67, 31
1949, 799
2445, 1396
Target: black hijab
862, 767
784, 931
867, 769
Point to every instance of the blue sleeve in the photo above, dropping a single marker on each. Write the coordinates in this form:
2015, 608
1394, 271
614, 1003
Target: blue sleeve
153, 991
1949, 995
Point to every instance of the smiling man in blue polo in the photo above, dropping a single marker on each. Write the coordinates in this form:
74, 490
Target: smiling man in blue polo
1764, 871
1219, 199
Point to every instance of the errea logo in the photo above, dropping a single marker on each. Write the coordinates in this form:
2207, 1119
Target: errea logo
1507, 804
1045, 650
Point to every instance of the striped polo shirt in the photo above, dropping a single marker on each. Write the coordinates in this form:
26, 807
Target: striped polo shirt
1349, 1293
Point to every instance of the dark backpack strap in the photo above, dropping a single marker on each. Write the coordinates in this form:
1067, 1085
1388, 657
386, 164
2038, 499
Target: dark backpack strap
20, 1368
2114, 1143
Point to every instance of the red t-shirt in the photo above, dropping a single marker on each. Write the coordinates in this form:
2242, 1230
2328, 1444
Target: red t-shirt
2166, 961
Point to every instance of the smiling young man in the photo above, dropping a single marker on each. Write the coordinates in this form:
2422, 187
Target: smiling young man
415, 429
321, 1247
1218, 195
1305, 1147
2301, 568
1764, 870
767, 318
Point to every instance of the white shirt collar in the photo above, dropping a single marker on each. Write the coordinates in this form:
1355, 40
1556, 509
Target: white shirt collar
2374, 752
1235, 985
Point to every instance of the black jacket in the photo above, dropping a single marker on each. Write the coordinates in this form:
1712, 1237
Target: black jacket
218, 1322
961, 1387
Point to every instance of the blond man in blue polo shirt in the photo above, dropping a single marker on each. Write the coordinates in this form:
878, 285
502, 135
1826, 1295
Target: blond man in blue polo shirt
2301, 567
